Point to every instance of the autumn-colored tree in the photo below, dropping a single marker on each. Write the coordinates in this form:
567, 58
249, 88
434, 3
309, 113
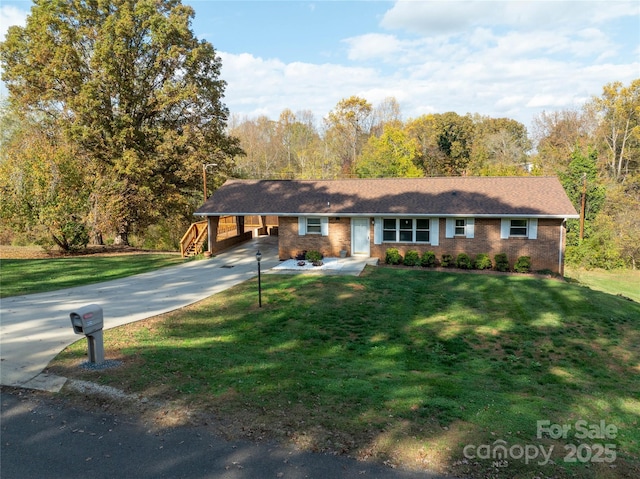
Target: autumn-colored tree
45, 191
557, 134
500, 147
445, 141
347, 129
390, 155
619, 110
387, 112
133, 89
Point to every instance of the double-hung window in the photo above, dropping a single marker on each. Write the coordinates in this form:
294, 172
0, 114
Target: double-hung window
405, 230
518, 228
314, 226
460, 227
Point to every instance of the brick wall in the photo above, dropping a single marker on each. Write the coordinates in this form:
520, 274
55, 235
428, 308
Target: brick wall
290, 243
544, 250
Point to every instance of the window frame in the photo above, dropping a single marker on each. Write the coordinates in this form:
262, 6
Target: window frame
456, 227
399, 228
513, 227
310, 227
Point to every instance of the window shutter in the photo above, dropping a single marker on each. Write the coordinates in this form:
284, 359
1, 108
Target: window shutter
324, 226
302, 225
377, 231
471, 226
434, 231
451, 228
505, 226
533, 228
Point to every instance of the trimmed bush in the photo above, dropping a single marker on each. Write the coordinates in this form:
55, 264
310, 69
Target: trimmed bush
463, 261
428, 259
411, 258
502, 262
447, 260
392, 256
314, 257
482, 261
523, 265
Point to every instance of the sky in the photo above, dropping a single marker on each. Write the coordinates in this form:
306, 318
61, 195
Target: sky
511, 59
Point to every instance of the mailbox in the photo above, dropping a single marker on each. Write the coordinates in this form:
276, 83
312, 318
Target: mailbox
87, 320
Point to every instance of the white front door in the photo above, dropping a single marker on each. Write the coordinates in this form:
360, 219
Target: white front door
360, 237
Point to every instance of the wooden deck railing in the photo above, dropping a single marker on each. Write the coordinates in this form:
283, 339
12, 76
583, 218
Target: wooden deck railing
192, 241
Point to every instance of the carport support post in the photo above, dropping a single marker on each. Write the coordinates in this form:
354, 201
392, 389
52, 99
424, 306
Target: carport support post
95, 345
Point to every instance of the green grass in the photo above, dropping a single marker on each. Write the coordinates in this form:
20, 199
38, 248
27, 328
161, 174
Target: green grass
405, 366
624, 282
27, 276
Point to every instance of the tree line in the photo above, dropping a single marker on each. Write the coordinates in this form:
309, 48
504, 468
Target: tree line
115, 106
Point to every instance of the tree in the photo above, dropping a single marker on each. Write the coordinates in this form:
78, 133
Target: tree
391, 155
45, 192
557, 134
135, 92
445, 141
385, 113
500, 147
619, 110
581, 177
348, 127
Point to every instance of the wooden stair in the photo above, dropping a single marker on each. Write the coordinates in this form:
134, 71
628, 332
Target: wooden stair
193, 240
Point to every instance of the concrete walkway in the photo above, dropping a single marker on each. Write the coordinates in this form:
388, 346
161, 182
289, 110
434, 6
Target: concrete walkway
36, 327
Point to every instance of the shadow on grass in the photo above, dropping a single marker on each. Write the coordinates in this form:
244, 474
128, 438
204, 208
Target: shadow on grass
404, 366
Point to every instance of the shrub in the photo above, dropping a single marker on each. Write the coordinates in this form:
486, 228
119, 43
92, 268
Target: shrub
314, 257
463, 261
411, 258
447, 260
502, 262
482, 261
301, 256
523, 265
392, 256
428, 259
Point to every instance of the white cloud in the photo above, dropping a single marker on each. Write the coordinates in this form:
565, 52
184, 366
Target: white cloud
9, 16
455, 16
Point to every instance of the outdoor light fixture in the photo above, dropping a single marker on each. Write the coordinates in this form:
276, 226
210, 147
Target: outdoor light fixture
258, 259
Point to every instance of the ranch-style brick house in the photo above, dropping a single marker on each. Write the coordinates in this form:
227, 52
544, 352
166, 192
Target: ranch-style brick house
519, 216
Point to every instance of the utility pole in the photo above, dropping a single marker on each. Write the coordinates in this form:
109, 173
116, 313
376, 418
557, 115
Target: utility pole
583, 204
204, 177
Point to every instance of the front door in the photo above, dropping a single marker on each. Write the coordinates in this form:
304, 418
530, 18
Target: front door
360, 237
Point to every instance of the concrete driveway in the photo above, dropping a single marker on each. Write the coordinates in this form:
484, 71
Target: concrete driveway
35, 328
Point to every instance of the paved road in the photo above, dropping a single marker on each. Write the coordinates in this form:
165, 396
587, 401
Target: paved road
46, 438
35, 328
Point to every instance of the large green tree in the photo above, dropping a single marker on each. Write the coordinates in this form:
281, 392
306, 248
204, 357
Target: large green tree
134, 90
390, 155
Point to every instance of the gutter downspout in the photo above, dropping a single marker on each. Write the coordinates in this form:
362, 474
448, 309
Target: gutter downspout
561, 249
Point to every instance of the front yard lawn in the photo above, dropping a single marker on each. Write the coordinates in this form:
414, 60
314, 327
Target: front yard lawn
407, 367
27, 276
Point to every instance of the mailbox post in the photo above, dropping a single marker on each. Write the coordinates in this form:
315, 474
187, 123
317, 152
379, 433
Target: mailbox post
88, 320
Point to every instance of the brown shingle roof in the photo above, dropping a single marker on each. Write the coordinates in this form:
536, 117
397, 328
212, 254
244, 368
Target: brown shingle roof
443, 196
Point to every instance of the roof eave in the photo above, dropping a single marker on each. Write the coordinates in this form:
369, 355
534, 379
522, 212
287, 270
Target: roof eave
395, 214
